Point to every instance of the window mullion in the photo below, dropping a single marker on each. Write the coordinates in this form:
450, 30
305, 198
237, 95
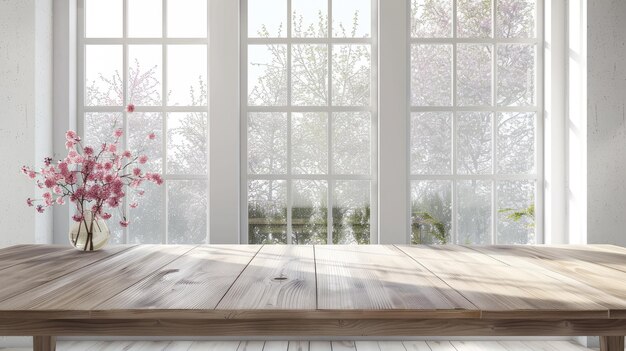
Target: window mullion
289, 126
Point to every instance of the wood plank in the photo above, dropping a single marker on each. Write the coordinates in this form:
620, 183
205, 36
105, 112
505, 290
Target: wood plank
320, 346
11, 256
91, 285
564, 345
611, 343
38, 270
372, 277
367, 346
214, 346
390, 346
478, 346
416, 346
607, 255
502, 291
151, 346
515, 346
298, 346
44, 343
440, 346
251, 346
196, 280
279, 277
276, 346
343, 346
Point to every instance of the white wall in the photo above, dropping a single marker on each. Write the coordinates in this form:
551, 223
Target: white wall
25, 114
606, 122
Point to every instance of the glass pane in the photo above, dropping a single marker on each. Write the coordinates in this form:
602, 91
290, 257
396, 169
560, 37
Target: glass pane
474, 148
146, 220
267, 75
431, 18
187, 211
351, 143
145, 18
267, 18
144, 75
117, 231
516, 212
103, 75
431, 143
516, 75
267, 143
309, 18
309, 80
309, 212
187, 75
516, 18
267, 212
351, 75
103, 18
99, 128
474, 74
187, 143
516, 142
140, 125
351, 212
431, 211
431, 75
352, 18
309, 141
474, 212
474, 18
187, 18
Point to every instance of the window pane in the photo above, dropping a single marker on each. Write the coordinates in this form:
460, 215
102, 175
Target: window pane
187, 211
351, 143
103, 75
267, 212
144, 75
431, 143
516, 18
103, 18
187, 143
474, 149
309, 212
187, 18
99, 128
146, 221
145, 18
309, 80
267, 18
516, 212
267, 75
352, 18
187, 75
431, 211
516, 143
267, 143
431, 18
351, 75
117, 231
309, 18
309, 140
140, 125
474, 212
474, 74
474, 18
516, 75
351, 212
431, 75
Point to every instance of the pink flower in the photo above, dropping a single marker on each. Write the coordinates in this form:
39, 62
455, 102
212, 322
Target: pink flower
130, 108
133, 205
47, 161
141, 192
154, 177
77, 217
57, 190
127, 154
40, 208
106, 215
25, 170
112, 148
88, 150
70, 144
30, 202
60, 200
70, 135
151, 136
108, 166
136, 172
50, 182
32, 174
124, 224
143, 159
118, 132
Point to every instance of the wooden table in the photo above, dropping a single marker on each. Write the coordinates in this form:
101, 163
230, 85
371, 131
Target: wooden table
369, 290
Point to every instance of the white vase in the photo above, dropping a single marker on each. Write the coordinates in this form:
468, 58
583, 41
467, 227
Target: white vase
90, 234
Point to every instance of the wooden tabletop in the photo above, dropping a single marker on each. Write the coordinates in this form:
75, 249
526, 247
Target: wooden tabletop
346, 283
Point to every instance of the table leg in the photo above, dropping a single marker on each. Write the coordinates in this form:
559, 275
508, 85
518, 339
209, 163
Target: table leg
44, 343
611, 343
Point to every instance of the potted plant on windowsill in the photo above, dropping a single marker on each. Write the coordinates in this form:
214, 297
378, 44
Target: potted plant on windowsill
95, 181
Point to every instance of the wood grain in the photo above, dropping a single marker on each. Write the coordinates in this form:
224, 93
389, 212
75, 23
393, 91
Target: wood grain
611, 343
44, 343
278, 277
381, 278
196, 280
11, 256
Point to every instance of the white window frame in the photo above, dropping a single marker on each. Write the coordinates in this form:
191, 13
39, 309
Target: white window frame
494, 109
328, 109
163, 109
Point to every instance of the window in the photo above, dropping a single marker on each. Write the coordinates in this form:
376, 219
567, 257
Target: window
475, 121
309, 121
152, 54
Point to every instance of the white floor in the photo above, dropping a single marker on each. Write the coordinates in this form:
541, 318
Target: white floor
316, 346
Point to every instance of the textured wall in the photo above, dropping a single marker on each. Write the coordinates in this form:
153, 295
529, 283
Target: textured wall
25, 113
606, 122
